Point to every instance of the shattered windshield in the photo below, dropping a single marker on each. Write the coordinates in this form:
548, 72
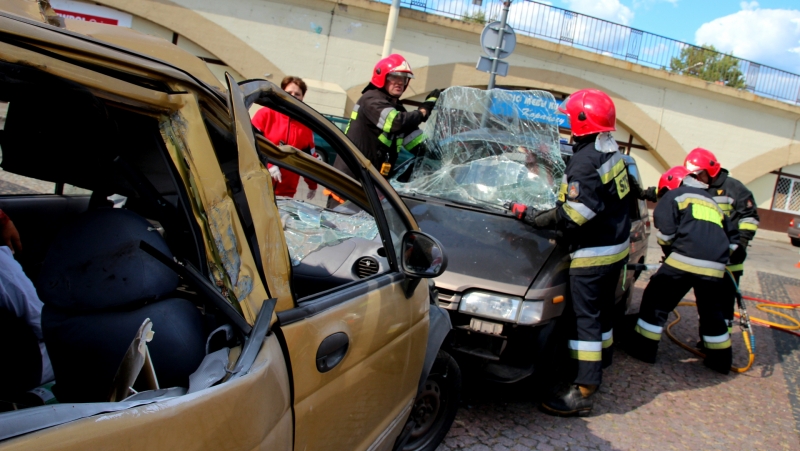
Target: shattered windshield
488, 148
308, 227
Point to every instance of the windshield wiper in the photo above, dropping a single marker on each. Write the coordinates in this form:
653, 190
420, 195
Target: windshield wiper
483, 205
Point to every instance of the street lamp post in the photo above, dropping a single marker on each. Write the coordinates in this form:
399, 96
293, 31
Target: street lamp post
391, 27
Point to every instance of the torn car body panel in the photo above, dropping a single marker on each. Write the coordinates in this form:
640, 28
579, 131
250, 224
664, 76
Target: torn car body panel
240, 274
257, 185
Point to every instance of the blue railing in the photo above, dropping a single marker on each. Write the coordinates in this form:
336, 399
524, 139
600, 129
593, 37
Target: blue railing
589, 33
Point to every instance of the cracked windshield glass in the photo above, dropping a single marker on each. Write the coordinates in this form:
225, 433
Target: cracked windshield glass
489, 148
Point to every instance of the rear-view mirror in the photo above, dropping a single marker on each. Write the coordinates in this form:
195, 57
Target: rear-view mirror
423, 255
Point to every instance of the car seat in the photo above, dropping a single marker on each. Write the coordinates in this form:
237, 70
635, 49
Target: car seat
98, 287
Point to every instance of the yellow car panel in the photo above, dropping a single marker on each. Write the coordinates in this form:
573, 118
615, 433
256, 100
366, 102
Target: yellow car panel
252, 412
350, 406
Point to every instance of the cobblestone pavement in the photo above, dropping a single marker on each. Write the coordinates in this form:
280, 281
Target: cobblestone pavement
676, 403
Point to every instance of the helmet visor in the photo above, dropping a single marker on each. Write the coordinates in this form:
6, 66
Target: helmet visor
400, 75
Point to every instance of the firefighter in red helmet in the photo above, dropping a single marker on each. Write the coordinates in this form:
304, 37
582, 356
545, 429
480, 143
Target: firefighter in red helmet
379, 124
738, 204
697, 238
592, 212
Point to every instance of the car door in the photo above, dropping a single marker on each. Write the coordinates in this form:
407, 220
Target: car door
356, 350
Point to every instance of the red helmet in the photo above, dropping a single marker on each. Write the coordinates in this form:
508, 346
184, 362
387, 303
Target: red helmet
672, 178
590, 111
392, 64
702, 160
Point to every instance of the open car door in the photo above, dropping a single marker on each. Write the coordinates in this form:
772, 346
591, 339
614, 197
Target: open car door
356, 350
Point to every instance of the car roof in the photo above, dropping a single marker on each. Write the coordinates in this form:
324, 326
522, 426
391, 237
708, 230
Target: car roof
125, 38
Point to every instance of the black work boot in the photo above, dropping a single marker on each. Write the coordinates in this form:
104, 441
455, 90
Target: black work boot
571, 400
719, 360
642, 349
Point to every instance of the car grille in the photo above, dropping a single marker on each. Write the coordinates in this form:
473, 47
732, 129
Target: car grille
366, 267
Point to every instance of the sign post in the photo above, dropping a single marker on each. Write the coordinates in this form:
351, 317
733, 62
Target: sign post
498, 41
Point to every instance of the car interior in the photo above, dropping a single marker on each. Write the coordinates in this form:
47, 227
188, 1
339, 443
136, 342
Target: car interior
332, 240
122, 323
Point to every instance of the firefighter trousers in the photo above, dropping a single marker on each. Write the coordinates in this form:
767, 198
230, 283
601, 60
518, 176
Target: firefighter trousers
591, 318
666, 289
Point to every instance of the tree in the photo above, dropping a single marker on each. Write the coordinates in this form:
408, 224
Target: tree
716, 67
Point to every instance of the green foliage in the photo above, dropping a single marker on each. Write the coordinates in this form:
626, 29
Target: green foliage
477, 16
716, 67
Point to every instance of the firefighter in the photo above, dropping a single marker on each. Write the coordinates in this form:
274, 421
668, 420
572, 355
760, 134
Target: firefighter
592, 213
697, 239
738, 204
379, 124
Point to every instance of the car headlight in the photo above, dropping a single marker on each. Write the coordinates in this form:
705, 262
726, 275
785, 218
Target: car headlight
531, 312
490, 305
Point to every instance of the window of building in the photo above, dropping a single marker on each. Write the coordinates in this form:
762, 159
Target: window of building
787, 195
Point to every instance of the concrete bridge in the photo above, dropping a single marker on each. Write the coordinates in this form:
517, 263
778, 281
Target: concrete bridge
333, 45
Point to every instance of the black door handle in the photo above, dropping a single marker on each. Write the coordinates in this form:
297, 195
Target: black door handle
332, 351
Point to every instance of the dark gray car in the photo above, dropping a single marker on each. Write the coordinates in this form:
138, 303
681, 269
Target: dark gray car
506, 282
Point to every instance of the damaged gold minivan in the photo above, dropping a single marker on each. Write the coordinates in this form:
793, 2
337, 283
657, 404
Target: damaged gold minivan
185, 307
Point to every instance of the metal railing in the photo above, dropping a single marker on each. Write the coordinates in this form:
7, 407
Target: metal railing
608, 38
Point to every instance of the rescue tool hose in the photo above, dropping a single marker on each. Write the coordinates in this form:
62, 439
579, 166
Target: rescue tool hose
744, 322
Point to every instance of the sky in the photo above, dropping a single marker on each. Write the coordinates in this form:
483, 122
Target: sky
764, 31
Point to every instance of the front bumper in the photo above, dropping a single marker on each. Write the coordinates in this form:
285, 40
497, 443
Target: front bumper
506, 351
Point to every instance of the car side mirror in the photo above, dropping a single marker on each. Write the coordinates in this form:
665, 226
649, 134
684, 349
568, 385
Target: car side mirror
423, 255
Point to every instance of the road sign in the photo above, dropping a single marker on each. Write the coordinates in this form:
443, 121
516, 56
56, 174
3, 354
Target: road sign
489, 39
485, 65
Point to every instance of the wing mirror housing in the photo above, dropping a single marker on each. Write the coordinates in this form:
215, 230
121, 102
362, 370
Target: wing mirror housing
423, 256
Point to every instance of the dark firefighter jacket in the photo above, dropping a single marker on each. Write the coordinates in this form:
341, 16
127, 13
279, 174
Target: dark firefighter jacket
696, 235
737, 202
379, 126
593, 211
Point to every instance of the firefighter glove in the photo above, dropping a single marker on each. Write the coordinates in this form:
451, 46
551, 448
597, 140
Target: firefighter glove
430, 102
546, 219
650, 194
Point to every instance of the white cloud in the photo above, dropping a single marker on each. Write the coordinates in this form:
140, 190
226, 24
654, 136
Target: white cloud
611, 10
766, 36
749, 6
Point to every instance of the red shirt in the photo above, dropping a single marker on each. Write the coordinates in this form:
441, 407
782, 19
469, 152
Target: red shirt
281, 130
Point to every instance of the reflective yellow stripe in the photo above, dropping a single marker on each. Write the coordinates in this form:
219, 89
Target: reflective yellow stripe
586, 356
747, 226
604, 260
699, 270
608, 339
734, 268
573, 214
663, 243
693, 200
608, 176
414, 142
725, 207
646, 333
722, 345
353, 115
562, 192
704, 213
387, 126
385, 140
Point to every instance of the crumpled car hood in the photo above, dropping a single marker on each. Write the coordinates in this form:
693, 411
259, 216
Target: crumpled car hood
484, 251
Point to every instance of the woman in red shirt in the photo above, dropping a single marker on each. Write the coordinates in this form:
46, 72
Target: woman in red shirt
281, 130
